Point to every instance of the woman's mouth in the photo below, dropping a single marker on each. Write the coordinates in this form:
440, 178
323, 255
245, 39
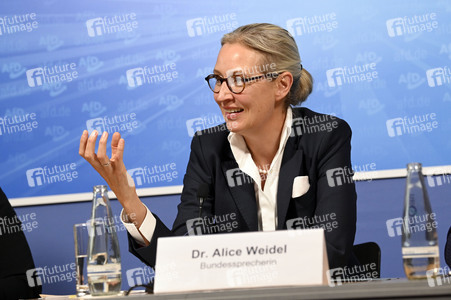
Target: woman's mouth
232, 114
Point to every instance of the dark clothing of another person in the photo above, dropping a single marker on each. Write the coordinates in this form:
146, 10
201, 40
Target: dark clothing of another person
15, 256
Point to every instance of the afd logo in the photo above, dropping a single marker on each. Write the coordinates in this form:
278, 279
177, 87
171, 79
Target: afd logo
33, 277
195, 226
35, 77
195, 125
35, 177
138, 176
394, 227
135, 77
96, 124
236, 177
339, 176
438, 76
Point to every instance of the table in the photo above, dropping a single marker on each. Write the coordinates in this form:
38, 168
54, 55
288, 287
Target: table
376, 289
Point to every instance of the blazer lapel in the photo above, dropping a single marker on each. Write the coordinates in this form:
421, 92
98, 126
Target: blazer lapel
289, 169
243, 195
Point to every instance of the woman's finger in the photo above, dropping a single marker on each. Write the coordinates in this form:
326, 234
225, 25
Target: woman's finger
90, 147
83, 140
114, 144
101, 152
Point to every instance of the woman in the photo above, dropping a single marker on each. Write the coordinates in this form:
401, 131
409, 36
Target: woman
275, 166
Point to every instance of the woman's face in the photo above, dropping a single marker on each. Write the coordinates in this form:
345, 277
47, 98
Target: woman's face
250, 111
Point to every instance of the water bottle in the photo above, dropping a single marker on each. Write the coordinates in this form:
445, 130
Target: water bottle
104, 261
420, 250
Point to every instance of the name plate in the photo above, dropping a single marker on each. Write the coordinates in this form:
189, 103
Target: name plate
241, 260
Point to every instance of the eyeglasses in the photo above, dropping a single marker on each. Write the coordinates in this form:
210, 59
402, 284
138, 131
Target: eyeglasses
236, 82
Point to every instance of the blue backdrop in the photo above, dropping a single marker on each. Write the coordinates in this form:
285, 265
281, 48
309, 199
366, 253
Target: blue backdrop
138, 67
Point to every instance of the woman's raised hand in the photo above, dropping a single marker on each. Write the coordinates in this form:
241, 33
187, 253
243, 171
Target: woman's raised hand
113, 170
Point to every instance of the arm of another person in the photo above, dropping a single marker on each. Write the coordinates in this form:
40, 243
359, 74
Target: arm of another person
334, 200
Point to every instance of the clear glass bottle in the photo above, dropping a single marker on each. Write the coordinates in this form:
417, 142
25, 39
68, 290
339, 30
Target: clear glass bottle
104, 260
420, 250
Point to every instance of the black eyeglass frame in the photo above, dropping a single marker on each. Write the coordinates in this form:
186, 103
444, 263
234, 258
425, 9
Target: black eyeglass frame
270, 75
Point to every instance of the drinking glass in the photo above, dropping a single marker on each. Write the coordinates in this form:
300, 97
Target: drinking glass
81, 239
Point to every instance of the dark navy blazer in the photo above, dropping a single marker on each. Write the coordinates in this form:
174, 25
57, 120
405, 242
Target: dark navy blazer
319, 147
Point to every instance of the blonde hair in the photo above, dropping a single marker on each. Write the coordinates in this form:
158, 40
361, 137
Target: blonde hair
278, 47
